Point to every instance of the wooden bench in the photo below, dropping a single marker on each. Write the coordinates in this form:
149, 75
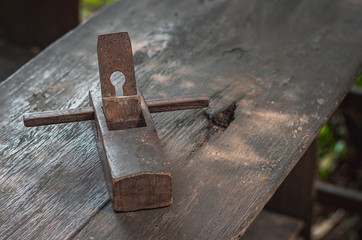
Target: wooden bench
274, 70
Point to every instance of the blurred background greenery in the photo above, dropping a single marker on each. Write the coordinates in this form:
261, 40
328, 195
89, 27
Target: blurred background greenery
331, 142
88, 7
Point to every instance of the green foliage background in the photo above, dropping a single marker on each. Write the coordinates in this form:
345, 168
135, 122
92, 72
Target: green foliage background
331, 146
88, 7
359, 81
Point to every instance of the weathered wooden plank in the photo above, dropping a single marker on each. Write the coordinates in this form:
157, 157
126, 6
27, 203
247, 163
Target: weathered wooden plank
284, 65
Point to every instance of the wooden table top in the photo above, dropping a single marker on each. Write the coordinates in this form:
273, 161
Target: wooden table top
276, 69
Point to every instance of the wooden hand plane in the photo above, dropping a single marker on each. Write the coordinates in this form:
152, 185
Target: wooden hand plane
129, 148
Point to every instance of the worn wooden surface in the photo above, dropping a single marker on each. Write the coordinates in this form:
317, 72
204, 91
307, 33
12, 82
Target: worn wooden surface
281, 66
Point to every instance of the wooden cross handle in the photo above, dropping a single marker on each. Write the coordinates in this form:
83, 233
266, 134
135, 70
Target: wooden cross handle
87, 113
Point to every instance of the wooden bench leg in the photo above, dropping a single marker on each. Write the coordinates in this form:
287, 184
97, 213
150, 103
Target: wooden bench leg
296, 194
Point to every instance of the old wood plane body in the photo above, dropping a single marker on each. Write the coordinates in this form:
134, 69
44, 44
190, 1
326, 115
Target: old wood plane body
133, 162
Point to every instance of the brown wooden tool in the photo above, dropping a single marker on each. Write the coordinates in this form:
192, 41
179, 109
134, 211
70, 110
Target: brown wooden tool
128, 144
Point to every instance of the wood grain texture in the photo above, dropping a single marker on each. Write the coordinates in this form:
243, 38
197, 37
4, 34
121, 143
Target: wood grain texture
286, 65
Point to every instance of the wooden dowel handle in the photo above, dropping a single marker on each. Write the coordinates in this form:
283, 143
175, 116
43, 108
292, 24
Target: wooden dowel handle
87, 113
177, 103
58, 116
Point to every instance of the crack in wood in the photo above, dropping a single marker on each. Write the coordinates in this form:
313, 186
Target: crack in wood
237, 50
217, 123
